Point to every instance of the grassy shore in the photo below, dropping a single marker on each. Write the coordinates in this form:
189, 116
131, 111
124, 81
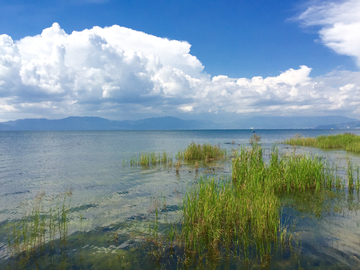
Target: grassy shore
346, 141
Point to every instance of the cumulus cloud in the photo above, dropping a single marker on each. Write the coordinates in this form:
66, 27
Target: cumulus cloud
340, 24
119, 73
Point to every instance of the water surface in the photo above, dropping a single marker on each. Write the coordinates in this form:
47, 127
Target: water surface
108, 191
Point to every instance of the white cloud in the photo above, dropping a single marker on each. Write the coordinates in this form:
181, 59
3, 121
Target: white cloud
186, 108
340, 24
119, 73
10, 62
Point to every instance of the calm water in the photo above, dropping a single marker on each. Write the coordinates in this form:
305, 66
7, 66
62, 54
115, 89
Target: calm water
107, 190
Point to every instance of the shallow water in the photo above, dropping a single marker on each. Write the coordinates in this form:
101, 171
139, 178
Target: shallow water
108, 191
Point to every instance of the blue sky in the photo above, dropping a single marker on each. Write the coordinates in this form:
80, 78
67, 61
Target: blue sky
231, 58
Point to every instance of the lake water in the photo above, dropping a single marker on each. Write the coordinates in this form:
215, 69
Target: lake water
107, 190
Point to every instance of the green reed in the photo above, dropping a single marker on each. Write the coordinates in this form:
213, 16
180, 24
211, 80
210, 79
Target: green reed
350, 175
346, 141
353, 176
287, 173
242, 215
29, 236
357, 177
255, 139
204, 152
217, 216
151, 159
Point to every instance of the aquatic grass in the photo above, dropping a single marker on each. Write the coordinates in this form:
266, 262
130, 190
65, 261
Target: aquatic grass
242, 215
350, 175
133, 161
197, 152
152, 158
353, 176
357, 178
255, 139
29, 236
239, 215
287, 173
301, 141
346, 141
217, 215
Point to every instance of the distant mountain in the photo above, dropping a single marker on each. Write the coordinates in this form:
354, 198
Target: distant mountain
349, 125
283, 122
5, 127
173, 123
97, 123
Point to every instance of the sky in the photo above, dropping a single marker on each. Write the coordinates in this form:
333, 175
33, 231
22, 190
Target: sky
213, 60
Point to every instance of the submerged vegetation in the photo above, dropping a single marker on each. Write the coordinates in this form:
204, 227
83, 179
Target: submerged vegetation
346, 141
235, 220
242, 217
194, 152
40, 229
147, 159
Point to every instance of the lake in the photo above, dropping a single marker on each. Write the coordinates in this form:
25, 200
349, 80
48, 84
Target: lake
109, 195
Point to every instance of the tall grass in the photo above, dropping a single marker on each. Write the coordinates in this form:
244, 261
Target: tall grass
346, 141
286, 173
151, 159
217, 216
242, 215
353, 176
29, 236
204, 152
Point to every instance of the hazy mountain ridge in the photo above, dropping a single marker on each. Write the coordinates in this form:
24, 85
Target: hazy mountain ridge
284, 122
173, 123
98, 123
349, 125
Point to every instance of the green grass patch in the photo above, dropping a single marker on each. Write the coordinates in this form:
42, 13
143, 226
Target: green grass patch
219, 217
205, 152
283, 173
151, 159
346, 141
242, 216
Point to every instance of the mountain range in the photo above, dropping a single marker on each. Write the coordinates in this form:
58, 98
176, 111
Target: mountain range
173, 123
97, 123
349, 125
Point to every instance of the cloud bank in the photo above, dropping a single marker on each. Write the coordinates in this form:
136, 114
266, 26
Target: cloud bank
340, 25
120, 73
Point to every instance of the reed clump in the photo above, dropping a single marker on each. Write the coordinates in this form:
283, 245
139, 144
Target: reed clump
242, 216
204, 152
151, 159
346, 141
218, 216
282, 173
353, 176
39, 228
255, 139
